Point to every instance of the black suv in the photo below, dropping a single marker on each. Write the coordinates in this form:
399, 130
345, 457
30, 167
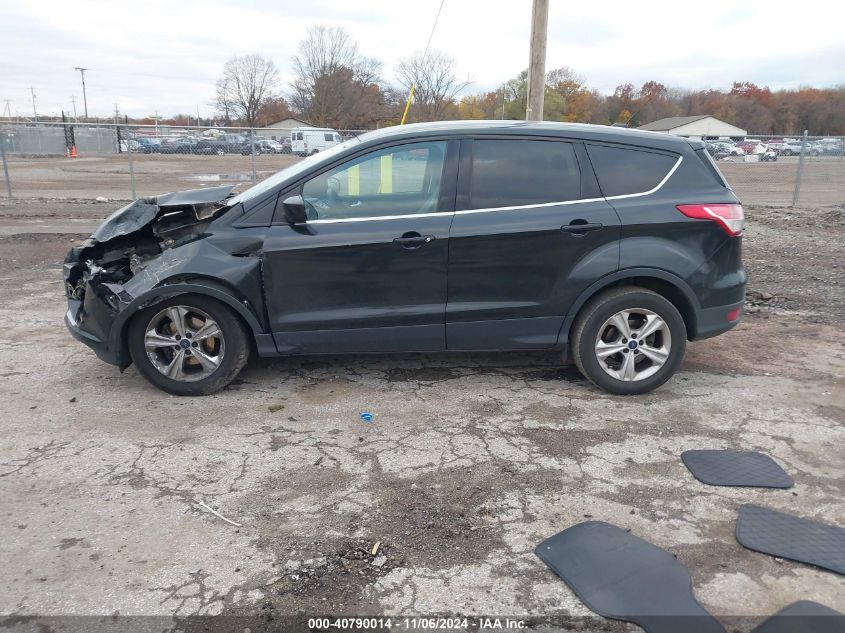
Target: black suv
610, 245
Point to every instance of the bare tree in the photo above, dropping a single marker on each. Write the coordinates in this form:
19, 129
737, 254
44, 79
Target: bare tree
436, 85
335, 85
247, 82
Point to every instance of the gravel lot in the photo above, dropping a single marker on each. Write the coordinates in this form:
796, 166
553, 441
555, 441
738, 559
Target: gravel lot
470, 460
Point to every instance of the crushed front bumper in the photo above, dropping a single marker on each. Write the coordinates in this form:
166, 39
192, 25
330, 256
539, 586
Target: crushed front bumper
91, 319
101, 349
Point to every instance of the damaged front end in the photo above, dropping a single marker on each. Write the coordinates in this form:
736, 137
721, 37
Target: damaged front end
126, 256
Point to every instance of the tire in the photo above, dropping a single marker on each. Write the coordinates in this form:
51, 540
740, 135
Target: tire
592, 330
229, 350
220, 152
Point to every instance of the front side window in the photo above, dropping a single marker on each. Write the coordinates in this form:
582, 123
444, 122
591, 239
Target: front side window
328, 137
622, 171
400, 180
520, 172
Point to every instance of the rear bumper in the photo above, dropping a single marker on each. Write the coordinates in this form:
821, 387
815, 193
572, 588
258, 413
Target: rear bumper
714, 321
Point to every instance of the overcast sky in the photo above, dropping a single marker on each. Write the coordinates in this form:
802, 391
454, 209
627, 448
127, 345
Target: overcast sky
166, 56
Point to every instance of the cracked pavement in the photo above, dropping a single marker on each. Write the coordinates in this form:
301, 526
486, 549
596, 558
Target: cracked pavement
469, 461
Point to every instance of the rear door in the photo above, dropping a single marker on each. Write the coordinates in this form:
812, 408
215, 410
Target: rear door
531, 231
367, 272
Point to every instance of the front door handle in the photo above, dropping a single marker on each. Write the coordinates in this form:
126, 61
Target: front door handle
413, 240
579, 227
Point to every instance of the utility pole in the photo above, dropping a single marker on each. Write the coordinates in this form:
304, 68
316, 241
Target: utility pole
537, 61
34, 110
84, 95
7, 111
73, 101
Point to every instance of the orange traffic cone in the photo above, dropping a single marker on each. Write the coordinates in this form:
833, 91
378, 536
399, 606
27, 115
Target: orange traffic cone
73, 151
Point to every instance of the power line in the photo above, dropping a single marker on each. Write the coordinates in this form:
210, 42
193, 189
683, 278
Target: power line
422, 61
433, 26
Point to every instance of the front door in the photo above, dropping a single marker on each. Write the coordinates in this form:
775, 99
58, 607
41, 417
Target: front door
531, 231
367, 272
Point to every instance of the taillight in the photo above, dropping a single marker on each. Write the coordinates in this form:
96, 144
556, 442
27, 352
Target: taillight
729, 216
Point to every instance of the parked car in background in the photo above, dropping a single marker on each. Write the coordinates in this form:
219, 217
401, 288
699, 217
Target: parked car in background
827, 147
770, 154
310, 140
178, 145
611, 247
286, 146
148, 145
752, 146
130, 144
226, 143
790, 147
262, 146
720, 149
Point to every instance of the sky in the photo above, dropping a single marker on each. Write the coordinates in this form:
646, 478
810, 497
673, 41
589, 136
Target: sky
165, 56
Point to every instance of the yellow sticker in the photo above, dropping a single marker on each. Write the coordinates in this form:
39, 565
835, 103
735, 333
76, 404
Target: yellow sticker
386, 174
353, 180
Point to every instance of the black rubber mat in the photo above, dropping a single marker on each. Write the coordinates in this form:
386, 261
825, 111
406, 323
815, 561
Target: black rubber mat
620, 576
787, 536
804, 617
736, 468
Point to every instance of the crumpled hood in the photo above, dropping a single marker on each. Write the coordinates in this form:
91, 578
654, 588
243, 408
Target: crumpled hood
142, 211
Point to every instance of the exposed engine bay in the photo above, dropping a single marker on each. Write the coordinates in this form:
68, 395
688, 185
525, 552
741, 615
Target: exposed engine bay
136, 234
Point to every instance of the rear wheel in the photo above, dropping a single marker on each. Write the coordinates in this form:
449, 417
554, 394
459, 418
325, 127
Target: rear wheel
629, 340
188, 345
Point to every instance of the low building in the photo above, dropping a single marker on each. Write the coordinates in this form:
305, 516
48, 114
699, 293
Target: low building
281, 129
696, 127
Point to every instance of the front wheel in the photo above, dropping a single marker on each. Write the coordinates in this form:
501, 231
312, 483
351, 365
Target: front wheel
629, 340
189, 345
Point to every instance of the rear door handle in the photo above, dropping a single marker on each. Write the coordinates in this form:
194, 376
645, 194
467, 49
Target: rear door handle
579, 229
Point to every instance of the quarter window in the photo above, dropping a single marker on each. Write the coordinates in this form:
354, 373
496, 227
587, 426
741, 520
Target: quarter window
523, 172
623, 171
401, 180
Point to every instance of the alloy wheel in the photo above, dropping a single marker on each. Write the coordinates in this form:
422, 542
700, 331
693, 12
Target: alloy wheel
633, 344
184, 343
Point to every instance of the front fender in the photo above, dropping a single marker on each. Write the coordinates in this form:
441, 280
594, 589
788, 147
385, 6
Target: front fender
117, 335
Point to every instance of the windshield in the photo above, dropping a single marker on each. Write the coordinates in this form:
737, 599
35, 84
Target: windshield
291, 172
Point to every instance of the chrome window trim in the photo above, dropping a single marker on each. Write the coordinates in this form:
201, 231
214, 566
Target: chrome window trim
510, 208
529, 206
382, 217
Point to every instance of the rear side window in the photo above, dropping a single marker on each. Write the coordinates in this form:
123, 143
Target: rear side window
711, 166
624, 171
507, 173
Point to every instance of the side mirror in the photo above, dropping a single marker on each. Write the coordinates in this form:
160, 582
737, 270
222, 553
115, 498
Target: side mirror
294, 208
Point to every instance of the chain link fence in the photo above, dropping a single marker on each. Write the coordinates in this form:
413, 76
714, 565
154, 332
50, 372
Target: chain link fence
116, 161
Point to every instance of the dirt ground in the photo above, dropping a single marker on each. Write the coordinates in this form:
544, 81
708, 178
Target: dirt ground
107, 175
469, 461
